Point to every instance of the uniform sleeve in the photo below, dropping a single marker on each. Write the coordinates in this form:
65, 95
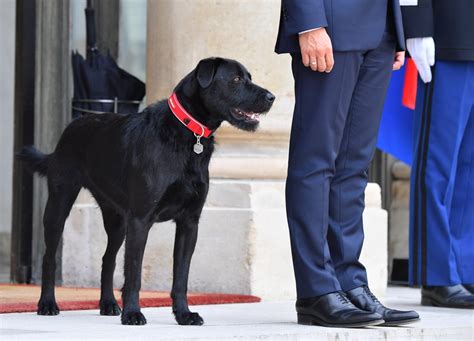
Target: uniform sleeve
418, 20
303, 15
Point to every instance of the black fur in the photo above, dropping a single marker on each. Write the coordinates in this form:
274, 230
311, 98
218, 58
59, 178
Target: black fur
34, 160
141, 169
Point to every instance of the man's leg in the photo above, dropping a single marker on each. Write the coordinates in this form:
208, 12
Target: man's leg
462, 207
444, 117
346, 201
419, 131
322, 104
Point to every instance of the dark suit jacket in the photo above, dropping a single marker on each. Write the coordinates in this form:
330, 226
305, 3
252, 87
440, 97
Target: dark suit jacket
353, 25
449, 22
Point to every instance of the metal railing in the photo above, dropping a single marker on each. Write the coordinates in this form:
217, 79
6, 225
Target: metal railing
114, 101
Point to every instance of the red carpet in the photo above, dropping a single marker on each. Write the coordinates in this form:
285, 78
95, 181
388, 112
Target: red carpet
24, 298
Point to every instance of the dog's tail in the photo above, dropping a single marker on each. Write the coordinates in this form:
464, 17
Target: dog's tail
35, 160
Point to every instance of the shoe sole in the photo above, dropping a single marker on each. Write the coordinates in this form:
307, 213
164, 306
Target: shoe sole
400, 323
310, 320
433, 303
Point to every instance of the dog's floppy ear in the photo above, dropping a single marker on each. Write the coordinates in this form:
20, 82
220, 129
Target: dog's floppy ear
206, 70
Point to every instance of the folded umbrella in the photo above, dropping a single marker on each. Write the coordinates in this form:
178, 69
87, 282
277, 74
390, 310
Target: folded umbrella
100, 85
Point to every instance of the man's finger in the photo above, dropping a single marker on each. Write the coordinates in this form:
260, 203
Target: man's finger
313, 64
321, 64
397, 66
401, 59
329, 62
305, 59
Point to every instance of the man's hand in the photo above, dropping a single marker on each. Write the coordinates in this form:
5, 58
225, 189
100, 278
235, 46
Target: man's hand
316, 50
399, 60
422, 51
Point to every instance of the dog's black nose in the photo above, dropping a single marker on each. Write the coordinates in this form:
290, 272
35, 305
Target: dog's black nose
270, 97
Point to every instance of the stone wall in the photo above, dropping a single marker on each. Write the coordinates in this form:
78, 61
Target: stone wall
243, 245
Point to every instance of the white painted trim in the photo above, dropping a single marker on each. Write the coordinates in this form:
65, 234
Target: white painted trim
408, 2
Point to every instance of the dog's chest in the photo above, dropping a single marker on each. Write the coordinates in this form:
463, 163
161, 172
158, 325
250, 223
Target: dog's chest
185, 196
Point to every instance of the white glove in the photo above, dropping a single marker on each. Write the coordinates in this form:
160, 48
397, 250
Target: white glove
422, 51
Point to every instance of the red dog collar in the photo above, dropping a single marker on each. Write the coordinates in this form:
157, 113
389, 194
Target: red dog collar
185, 118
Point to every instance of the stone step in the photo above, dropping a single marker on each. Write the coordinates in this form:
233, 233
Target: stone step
259, 321
243, 227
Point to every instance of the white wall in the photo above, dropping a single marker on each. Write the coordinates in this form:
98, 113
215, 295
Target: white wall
78, 26
132, 37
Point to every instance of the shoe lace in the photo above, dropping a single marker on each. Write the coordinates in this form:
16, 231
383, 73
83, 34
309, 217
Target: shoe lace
371, 295
342, 297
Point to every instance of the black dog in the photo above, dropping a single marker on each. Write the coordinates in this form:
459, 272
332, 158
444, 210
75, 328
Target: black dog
141, 169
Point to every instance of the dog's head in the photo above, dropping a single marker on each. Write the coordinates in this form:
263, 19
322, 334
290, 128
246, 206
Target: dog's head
225, 90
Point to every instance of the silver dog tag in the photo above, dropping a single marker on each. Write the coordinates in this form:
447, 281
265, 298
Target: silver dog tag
198, 147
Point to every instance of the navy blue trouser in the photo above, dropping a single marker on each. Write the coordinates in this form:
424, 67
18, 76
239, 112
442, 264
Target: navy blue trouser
442, 178
333, 137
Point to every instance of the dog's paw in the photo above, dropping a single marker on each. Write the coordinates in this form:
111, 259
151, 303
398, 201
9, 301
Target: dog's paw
109, 308
47, 307
189, 319
133, 318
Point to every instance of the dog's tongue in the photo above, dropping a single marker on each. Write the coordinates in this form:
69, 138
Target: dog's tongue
252, 115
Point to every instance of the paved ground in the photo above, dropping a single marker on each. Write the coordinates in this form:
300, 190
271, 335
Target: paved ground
268, 321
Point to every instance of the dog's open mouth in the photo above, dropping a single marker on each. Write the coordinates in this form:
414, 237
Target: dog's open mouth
247, 116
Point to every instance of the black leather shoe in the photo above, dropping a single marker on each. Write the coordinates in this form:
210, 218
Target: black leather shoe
334, 310
455, 296
469, 287
364, 299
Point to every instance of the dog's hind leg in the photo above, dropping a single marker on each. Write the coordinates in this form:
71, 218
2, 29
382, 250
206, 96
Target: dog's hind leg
136, 237
185, 242
60, 200
115, 227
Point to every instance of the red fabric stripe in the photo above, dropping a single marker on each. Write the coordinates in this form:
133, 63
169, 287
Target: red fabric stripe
411, 85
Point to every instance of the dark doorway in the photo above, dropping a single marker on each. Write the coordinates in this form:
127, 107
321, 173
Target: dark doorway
24, 135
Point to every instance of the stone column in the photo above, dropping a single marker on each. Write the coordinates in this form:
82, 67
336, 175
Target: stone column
246, 201
7, 86
52, 104
107, 25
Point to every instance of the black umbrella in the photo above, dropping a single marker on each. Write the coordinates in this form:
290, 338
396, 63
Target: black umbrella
100, 85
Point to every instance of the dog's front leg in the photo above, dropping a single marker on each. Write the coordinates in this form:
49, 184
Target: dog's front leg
185, 241
115, 226
136, 237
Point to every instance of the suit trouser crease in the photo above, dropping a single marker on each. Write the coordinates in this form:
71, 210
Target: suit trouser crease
441, 199
333, 137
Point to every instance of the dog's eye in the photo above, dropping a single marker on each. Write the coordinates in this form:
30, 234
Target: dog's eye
237, 79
